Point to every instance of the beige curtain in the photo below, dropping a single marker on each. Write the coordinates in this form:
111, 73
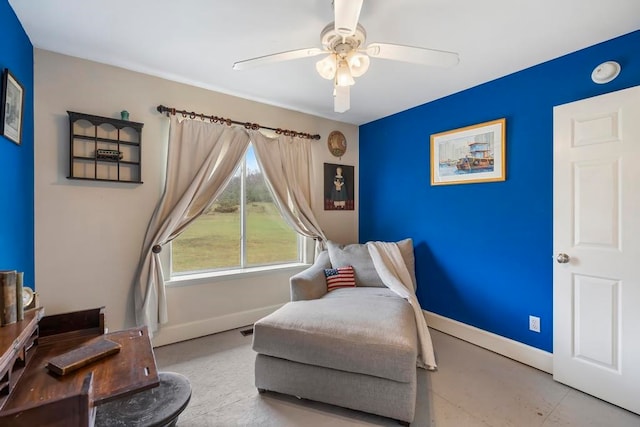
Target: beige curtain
286, 163
201, 159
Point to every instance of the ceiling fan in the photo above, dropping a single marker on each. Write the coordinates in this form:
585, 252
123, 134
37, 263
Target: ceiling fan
347, 57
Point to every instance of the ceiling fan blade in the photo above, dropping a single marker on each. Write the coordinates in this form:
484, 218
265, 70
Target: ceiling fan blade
416, 55
277, 57
347, 13
341, 99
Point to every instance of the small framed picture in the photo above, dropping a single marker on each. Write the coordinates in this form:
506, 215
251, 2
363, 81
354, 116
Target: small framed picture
12, 107
469, 155
338, 187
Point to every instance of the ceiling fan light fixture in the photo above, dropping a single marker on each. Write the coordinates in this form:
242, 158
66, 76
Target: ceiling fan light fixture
348, 56
343, 74
358, 63
327, 67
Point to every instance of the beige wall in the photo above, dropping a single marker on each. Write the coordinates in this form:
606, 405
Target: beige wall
88, 234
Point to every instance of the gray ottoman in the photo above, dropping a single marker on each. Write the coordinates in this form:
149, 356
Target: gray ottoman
355, 348
156, 407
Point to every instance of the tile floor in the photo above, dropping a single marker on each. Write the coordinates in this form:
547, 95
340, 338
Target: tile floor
472, 387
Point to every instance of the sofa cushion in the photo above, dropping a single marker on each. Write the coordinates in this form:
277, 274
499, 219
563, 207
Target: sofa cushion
341, 277
369, 331
358, 256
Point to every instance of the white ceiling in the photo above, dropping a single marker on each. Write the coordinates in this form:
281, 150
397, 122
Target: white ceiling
197, 41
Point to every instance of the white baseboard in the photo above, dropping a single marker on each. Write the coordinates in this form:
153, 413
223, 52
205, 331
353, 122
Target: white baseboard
515, 350
186, 331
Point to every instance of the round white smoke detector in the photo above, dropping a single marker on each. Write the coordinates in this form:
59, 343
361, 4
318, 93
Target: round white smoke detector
605, 72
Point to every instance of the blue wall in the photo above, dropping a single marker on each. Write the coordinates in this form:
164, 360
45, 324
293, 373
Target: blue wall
16, 161
483, 251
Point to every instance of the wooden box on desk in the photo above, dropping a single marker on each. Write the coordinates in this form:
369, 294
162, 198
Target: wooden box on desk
39, 397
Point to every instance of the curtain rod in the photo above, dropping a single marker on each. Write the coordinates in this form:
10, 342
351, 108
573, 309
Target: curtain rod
229, 122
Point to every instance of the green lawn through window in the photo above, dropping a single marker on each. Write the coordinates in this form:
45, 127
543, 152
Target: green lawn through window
213, 240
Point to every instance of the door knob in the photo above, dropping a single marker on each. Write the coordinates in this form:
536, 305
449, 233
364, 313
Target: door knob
563, 258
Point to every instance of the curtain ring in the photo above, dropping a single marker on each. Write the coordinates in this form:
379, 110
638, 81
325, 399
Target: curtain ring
156, 249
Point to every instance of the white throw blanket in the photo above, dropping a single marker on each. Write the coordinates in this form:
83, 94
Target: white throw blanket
393, 271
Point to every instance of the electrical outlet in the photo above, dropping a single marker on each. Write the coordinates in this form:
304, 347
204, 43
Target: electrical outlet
534, 323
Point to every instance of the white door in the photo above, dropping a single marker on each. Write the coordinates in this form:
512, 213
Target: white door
596, 240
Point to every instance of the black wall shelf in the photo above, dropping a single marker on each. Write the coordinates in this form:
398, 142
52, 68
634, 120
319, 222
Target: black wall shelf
89, 134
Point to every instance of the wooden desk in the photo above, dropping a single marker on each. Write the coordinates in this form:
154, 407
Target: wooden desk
31, 395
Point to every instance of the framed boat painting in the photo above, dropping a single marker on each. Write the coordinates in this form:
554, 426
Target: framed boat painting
469, 155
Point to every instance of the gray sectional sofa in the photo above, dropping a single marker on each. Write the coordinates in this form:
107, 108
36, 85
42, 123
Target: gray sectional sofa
352, 347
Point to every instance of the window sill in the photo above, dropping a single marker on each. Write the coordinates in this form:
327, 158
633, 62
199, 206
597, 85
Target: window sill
217, 276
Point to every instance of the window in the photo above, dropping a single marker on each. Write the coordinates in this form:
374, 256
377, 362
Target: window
242, 228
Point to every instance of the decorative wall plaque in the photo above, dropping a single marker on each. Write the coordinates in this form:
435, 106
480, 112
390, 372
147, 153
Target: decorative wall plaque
337, 143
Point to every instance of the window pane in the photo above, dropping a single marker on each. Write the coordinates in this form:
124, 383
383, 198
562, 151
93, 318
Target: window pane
269, 238
212, 241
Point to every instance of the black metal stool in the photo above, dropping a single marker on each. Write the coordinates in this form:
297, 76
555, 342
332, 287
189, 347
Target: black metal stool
156, 407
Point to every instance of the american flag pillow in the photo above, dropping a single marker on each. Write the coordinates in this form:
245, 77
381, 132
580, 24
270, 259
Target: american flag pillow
341, 277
